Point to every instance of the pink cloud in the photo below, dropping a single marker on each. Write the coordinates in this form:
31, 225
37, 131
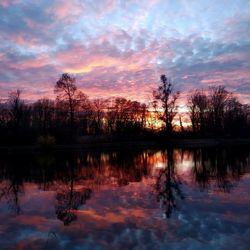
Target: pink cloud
66, 11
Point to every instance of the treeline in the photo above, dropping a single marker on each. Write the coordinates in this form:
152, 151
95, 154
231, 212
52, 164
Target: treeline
218, 112
72, 114
212, 112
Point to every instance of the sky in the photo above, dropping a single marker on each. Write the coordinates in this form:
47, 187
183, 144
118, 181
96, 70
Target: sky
120, 48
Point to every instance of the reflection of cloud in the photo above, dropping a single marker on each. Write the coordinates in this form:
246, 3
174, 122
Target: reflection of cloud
133, 220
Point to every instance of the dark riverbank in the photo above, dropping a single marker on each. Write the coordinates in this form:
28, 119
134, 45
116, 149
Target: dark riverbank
96, 144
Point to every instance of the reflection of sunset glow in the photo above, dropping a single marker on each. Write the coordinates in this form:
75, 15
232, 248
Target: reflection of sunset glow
184, 166
160, 165
110, 217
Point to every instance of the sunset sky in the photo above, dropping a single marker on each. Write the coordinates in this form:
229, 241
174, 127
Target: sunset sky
120, 48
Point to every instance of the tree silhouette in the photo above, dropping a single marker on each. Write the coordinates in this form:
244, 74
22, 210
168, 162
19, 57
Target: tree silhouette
217, 112
98, 114
213, 113
43, 114
68, 94
16, 108
20, 116
198, 105
218, 102
167, 97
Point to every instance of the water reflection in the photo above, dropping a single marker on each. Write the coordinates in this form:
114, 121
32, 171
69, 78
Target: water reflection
114, 189
219, 167
168, 185
11, 189
74, 176
69, 199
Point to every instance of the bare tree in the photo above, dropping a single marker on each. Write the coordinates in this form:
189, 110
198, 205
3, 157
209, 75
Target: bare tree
218, 101
68, 93
98, 108
138, 114
218, 112
43, 114
16, 107
5, 116
236, 117
111, 115
198, 105
167, 97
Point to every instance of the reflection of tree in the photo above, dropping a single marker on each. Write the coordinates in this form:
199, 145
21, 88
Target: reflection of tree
46, 167
201, 170
168, 186
221, 167
15, 189
74, 174
11, 183
114, 167
11, 190
70, 199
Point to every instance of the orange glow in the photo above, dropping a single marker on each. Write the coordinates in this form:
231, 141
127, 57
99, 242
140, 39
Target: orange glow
107, 62
111, 217
102, 62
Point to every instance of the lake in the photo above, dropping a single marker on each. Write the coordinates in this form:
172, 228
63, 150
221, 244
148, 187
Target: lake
126, 199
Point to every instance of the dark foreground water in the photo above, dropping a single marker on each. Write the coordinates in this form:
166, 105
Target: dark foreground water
130, 199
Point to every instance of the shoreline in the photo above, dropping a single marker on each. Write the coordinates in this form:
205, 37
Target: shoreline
95, 145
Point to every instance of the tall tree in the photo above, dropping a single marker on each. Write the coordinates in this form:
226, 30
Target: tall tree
68, 94
167, 97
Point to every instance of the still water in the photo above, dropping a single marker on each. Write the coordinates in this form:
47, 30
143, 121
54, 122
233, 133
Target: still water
127, 199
